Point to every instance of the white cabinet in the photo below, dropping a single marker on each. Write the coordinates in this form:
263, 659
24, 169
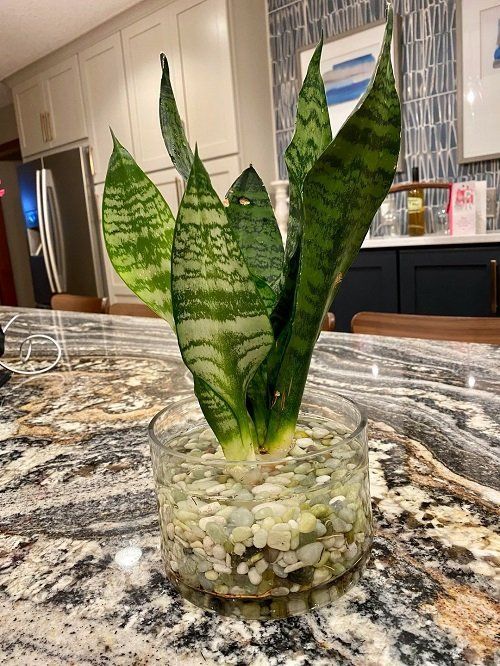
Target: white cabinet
106, 103
205, 48
49, 108
66, 117
143, 42
171, 186
194, 35
29, 103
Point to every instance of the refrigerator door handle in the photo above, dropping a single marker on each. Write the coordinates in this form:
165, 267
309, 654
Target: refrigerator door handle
41, 224
55, 232
48, 232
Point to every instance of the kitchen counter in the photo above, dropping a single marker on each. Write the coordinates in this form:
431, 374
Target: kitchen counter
76, 490
374, 242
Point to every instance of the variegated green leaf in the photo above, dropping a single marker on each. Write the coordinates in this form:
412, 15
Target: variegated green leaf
342, 193
221, 419
138, 230
222, 326
252, 219
312, 135
171, 125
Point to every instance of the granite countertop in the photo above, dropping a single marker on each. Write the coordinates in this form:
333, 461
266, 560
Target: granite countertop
76, 489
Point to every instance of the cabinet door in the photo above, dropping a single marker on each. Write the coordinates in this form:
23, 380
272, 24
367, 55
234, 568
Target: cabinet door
142, 44
371, 284
66, 120
30, 105
105, 95
223, 173
207, 75
448, 281
171, 185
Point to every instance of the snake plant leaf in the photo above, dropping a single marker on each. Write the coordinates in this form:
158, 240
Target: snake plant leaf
342, 193
172, 128
222, 326
138, 231
312, 135
252, 219
221, 419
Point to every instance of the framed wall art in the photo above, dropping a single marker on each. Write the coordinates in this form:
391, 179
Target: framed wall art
478, 79
347, 64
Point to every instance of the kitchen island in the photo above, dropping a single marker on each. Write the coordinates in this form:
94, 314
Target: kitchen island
81, 580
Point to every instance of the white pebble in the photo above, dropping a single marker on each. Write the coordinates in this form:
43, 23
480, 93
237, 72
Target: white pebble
254, 576
261, 566
211, 575
241, 533
260, 538
320, 433
278, 538
239, 548
304, 442
221, 568
218, 552
209, 509
218, 488
324, 478
310, 553
242, 568
294, 567
267, 489
280, 591
290, 557
203, 522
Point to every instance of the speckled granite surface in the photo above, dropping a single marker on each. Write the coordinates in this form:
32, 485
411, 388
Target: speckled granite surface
76, 488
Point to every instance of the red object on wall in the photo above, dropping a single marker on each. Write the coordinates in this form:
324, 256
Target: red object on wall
7, 288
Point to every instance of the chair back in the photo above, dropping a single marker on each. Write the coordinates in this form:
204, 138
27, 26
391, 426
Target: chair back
328, 322
428, 327
75, 303
131, 309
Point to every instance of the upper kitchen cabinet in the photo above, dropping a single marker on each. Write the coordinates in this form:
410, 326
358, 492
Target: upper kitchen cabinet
66, 118
194, 35
106, 103
29, 102
224, 101
143, 42
210, 102
49, 108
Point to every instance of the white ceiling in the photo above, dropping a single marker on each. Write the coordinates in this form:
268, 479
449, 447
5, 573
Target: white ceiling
30, 29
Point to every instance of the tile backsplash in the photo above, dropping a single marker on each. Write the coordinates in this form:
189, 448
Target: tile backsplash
429, 101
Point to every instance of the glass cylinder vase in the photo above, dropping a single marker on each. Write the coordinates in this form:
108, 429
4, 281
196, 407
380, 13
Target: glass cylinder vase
264, 539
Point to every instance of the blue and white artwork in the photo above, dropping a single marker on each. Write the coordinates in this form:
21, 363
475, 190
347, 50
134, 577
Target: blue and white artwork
347, 81
347, 65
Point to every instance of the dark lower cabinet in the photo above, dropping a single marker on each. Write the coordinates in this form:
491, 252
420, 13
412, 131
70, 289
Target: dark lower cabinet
449, 281
461, 281
370, 284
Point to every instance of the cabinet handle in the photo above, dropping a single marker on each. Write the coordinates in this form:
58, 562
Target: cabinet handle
493, 286
42, 125
91, 161
178, 190
49, 127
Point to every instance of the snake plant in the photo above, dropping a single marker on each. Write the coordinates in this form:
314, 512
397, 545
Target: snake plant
246, 311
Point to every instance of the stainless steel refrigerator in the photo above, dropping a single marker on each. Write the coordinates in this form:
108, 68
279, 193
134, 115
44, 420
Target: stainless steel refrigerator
62, 225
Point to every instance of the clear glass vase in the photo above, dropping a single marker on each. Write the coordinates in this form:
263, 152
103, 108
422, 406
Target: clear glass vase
264, 539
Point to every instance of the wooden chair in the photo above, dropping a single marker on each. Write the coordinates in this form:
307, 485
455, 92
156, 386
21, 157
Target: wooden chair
74, 303
328, 322
131, 309
460, 329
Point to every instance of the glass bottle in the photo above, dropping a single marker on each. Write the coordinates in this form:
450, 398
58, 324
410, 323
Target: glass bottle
416, 216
